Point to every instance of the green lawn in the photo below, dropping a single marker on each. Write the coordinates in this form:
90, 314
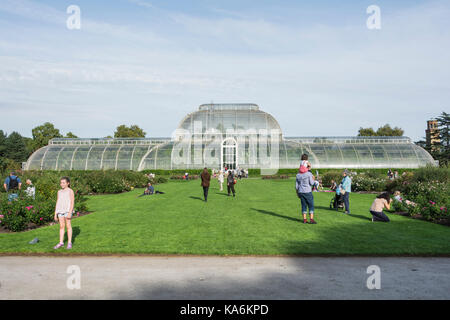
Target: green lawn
264, 218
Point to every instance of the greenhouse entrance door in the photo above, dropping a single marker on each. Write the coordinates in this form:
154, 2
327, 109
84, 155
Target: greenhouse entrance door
229, 154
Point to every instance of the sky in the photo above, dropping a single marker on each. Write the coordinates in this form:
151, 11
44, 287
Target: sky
314, 65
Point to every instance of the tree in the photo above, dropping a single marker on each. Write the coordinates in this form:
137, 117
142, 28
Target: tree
442, 148
422, 143
43, 134
15, 148
2, 143
133, 131
29, 142
385, 131
70, 135
366, 132
444, 127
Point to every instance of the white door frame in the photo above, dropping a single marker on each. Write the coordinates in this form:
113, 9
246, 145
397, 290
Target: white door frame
233, 146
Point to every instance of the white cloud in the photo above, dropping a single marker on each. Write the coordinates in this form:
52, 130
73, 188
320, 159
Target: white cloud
340, 77
142, 3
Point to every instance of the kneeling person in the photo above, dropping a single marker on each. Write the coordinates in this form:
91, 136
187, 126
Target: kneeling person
382, 201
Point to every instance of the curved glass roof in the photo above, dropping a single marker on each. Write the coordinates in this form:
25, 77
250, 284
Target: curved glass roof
217, 134
222, 117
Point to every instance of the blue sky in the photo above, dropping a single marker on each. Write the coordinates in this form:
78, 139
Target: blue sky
313, 65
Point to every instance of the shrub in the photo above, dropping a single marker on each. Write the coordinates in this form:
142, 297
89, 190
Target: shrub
158, 180
362, 182
429, 173
14, 222
335, 175
398, 206
86, 182
429, 189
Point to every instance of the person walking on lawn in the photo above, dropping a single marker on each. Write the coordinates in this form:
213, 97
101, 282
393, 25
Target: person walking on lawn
206, 178
220, 179
303, 183
347, 188
230, 183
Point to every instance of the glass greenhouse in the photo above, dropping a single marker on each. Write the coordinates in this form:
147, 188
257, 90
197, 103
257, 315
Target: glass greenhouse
228, 135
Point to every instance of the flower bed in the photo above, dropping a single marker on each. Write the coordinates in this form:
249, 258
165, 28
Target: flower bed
429, 191
363, 182
87, 182
26, 212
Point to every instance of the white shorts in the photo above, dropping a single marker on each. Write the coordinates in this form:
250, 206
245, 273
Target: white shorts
65, 215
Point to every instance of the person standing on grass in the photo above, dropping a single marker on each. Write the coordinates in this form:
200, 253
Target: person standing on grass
12, 185
206, 178
303, 183
346, 188
230, 183
63, 211
383, 201
31, 190
220, 179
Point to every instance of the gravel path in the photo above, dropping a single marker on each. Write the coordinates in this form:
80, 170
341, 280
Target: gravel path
222, 278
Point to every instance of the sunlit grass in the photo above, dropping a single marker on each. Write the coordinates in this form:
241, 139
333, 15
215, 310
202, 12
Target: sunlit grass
264, 218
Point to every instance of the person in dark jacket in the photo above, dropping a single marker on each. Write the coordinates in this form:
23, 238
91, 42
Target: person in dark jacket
206, 178
12, 185
230, 183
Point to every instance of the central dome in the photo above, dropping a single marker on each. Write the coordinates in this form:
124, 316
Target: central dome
229, 116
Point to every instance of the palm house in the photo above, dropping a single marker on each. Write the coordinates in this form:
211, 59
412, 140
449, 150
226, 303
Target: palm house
227, 135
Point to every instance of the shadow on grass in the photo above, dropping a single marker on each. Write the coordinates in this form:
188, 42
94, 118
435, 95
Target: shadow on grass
75, 232
196, 198
351, 215
271, 213
222, 194
341, 211
325, 208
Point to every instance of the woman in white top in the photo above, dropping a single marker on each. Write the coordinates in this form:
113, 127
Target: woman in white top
63, 212
220, 179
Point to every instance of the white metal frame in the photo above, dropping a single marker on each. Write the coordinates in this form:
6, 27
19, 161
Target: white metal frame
117, 157
87, 157
57, 158
73, 156
233, 146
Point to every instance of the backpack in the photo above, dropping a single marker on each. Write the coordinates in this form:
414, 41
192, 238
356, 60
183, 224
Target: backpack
13, 183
